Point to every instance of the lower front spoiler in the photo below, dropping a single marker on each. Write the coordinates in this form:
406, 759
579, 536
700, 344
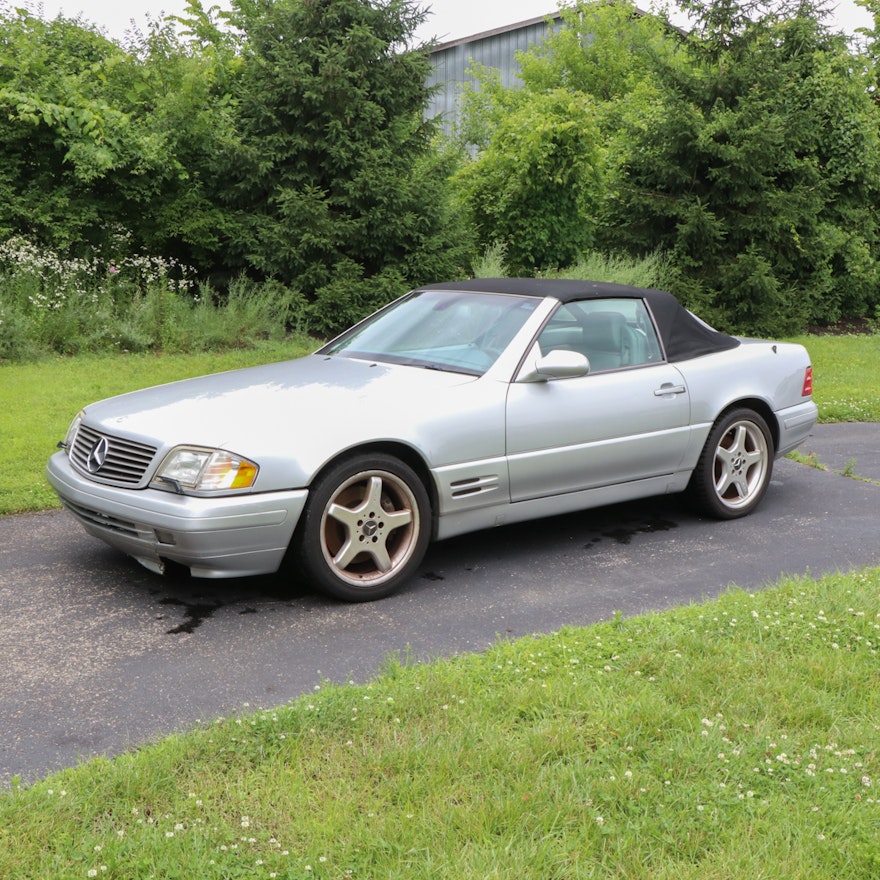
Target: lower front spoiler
230, 536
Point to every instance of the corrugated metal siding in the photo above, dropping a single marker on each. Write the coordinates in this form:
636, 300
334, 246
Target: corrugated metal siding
452, 61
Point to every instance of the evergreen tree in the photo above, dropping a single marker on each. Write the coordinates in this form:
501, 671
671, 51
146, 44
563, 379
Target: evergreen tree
759, 171
335, 183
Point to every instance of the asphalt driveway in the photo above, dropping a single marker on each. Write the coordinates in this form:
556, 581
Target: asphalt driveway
99, 655
847, 449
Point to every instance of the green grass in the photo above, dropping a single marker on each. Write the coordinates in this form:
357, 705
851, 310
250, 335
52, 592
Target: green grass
39, 400
740, 738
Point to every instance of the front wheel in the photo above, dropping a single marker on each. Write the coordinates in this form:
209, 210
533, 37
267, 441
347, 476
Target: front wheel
365, 528
735, 466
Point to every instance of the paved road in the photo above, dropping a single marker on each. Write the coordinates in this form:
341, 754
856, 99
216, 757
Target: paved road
97, 654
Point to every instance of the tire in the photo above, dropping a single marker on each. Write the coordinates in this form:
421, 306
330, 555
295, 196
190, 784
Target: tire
365, 528
735, 466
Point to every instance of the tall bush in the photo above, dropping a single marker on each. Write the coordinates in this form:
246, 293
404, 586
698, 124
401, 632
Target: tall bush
758, 169
286, 143
746, 150
108, 150
543, 156
332, 183
535, 184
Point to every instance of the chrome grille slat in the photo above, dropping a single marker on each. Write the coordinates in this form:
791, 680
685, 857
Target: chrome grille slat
126, 461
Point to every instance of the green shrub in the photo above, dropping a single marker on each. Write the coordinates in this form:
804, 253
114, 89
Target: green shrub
493, 262
53, 306
651, 271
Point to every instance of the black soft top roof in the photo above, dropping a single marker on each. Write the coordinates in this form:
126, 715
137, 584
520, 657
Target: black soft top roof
683, 335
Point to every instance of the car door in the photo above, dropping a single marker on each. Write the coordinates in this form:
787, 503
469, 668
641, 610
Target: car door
626, 420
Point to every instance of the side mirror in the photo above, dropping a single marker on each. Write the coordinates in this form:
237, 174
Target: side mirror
556, 364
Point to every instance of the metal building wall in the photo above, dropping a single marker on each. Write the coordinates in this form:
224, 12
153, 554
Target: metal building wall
451, 62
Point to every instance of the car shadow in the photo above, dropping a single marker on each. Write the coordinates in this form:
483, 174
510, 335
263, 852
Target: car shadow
558, 535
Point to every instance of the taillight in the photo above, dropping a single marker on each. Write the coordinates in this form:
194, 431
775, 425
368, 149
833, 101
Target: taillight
807, 390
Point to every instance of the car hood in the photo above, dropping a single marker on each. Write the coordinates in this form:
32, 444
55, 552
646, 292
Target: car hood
334, 401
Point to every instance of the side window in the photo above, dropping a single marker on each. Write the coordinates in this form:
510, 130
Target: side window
612, 333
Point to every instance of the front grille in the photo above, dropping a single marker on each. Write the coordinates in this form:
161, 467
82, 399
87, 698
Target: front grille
124, 463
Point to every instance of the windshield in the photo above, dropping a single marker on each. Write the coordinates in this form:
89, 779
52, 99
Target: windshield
458, 331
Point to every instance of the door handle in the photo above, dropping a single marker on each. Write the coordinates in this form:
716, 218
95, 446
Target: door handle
669, 389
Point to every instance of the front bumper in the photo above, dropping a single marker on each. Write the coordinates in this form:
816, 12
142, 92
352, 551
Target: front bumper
229, 536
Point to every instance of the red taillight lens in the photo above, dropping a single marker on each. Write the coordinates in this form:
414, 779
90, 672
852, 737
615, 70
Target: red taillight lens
808, 383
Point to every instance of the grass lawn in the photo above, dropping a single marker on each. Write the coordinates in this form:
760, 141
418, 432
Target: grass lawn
740, 738
846, 376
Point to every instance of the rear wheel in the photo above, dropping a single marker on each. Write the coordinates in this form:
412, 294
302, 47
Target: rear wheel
735, 466
365, 528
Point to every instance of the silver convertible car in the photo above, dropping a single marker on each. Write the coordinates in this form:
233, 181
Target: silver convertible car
458, 407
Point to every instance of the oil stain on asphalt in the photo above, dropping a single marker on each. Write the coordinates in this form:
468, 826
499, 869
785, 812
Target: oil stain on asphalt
626, 533
250, 595
196, 615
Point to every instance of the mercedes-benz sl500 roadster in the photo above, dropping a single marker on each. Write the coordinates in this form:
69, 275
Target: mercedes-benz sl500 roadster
458, 407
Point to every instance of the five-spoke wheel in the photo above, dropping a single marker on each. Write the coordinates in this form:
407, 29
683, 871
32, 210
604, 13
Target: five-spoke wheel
365, 529
735, 466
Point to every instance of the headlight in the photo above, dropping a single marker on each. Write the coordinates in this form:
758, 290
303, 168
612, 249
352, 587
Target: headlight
67, 443
206, 470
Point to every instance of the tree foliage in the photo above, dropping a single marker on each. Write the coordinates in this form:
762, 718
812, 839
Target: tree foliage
535, 185
758, 171
543, 155
286, 142
103, 148
58, 132
747, 150
335, 182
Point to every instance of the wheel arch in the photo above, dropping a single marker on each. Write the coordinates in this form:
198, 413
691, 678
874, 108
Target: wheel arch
300, 563
762, 408
407, 454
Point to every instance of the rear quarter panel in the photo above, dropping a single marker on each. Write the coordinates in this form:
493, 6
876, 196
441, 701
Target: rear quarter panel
758, 370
